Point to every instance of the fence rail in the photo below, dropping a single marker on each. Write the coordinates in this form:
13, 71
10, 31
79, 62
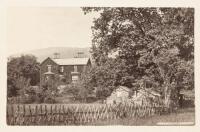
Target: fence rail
75, 114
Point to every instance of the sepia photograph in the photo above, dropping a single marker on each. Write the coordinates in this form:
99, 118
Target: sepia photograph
100, 66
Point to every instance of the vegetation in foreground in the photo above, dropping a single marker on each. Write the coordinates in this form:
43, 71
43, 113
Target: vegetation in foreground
185, 116
77, 114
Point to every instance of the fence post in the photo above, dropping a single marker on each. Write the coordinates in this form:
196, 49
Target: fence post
46, 114
8, 116
59, 112
13, 114
18, 115
37, 115
24, 115
55, 115
51, 111
64, 115
29, 107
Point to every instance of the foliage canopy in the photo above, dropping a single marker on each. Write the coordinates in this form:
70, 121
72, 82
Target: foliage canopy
134, 45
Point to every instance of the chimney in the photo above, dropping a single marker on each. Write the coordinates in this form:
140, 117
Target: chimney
56, 55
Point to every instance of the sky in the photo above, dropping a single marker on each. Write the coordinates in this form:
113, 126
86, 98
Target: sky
30, 28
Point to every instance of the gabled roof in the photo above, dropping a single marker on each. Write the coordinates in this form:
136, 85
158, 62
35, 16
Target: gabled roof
48, 73
150, 92
123, 88
48, 58
72, 61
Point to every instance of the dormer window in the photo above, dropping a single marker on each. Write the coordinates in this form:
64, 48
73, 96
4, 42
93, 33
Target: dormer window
62, 69
49, 68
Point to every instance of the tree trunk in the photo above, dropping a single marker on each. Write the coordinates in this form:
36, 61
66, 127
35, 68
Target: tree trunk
171, 97
167, 97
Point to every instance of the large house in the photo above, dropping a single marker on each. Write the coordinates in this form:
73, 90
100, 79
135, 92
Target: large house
69, 68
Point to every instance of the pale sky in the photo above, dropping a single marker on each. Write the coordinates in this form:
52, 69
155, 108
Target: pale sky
30, 28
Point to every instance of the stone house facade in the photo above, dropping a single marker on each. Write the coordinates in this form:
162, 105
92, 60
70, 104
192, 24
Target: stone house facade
69, 69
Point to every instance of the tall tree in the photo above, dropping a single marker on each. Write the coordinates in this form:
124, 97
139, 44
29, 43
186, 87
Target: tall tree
25, 67
155, 44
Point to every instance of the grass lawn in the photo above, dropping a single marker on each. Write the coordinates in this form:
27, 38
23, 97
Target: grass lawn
181, 117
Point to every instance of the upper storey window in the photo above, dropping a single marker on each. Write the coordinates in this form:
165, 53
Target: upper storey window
62, 69
75, 68
49, 68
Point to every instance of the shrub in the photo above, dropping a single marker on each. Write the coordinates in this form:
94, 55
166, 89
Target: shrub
49, 100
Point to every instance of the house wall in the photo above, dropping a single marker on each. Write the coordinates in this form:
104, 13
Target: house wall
67, 72
122, 93
70, 68
56, 69
44, 68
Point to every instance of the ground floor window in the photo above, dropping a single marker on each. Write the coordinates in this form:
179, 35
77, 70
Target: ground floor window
75, 78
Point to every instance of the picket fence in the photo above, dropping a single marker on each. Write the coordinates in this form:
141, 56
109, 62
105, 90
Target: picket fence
52, 114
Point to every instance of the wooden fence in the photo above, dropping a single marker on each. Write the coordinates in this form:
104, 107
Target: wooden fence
75, 114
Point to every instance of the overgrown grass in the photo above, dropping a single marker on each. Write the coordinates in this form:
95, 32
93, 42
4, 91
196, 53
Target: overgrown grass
181, 117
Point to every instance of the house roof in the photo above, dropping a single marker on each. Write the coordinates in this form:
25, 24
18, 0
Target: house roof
72, 61
150, 91
123, 88
48, 73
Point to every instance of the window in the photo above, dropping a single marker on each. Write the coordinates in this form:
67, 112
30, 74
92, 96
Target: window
49, 68
62, 69
74, 78
47, 78
75, 69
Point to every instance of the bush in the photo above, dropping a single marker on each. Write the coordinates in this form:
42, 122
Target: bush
49, 100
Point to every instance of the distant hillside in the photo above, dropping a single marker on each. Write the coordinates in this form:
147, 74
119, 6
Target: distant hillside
65, 52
